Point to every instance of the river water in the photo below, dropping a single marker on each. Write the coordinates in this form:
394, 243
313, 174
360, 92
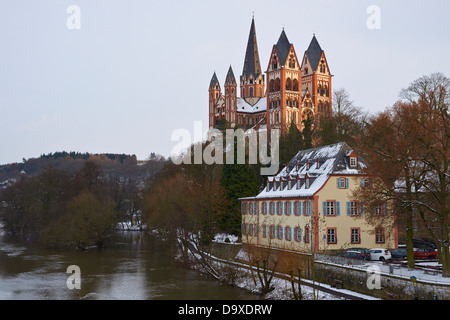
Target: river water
135, 266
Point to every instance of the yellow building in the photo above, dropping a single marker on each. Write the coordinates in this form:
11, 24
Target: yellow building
309, 206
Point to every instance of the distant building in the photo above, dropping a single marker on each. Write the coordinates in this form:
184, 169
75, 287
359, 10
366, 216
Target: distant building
294, 87
309, 205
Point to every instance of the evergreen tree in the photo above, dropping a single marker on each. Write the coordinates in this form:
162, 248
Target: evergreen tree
290, 143
307, 133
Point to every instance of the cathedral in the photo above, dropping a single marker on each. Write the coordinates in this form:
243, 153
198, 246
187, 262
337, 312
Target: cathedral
290, 90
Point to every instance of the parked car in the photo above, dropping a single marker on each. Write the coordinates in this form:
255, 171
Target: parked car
423, 243
365, 252
351, 255
425, 253
399, 253
380, 254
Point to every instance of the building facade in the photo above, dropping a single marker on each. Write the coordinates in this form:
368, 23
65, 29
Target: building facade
292, 89
309, 206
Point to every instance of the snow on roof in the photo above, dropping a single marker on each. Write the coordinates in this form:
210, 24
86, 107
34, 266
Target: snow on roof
244, 106
315, 165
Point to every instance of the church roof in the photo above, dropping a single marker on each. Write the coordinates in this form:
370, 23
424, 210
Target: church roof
314, 52
230, 76
213, 82
283, 47
245, 107
251, 62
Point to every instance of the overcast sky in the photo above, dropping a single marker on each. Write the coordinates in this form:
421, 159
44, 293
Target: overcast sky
136, 70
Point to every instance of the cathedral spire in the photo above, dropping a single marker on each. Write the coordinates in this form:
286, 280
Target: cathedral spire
252, 79
251, 62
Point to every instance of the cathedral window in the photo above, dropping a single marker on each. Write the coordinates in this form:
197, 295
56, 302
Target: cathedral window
288, 84
251, 92
277, 84
295, 85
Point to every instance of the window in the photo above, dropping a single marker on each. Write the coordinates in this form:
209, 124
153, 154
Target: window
288, 208
280, 232
353, 208
342, 183
288, 233
307, 235
306, 183
251, 91
380, 209
307, 208
298, 234
264, 231
353, 162
272, 231
364, 182
355, 238
379, 235
280, 208
331, 236
297, 208
330, 208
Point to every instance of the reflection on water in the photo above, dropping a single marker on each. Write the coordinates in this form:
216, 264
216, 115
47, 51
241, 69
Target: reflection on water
135, 266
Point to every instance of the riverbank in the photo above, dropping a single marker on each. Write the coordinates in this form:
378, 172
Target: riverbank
231, 266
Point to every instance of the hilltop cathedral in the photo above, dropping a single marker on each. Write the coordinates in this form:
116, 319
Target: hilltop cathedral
292, 89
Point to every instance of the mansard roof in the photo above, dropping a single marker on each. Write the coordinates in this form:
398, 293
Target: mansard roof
283, 47
315, 164
252, 65
314, 52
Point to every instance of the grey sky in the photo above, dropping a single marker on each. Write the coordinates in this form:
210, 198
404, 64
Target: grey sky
137, 70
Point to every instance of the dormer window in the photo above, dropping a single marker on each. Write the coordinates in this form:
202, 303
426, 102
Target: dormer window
298, 184
353, 162
307, 183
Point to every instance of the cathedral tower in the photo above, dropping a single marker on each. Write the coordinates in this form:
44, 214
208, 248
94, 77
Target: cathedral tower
252, 79
283, 85
214, 97
316, 77
230, 97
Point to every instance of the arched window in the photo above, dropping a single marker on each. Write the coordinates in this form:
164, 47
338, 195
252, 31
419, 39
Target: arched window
251, 92
260, 92
277, 84
243, 92
295, 85
288, 84
320, 106
271, 86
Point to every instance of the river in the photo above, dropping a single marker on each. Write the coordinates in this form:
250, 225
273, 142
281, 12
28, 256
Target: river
135, 266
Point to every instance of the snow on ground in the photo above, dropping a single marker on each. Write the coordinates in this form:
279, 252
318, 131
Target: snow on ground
222, 238
402, 271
